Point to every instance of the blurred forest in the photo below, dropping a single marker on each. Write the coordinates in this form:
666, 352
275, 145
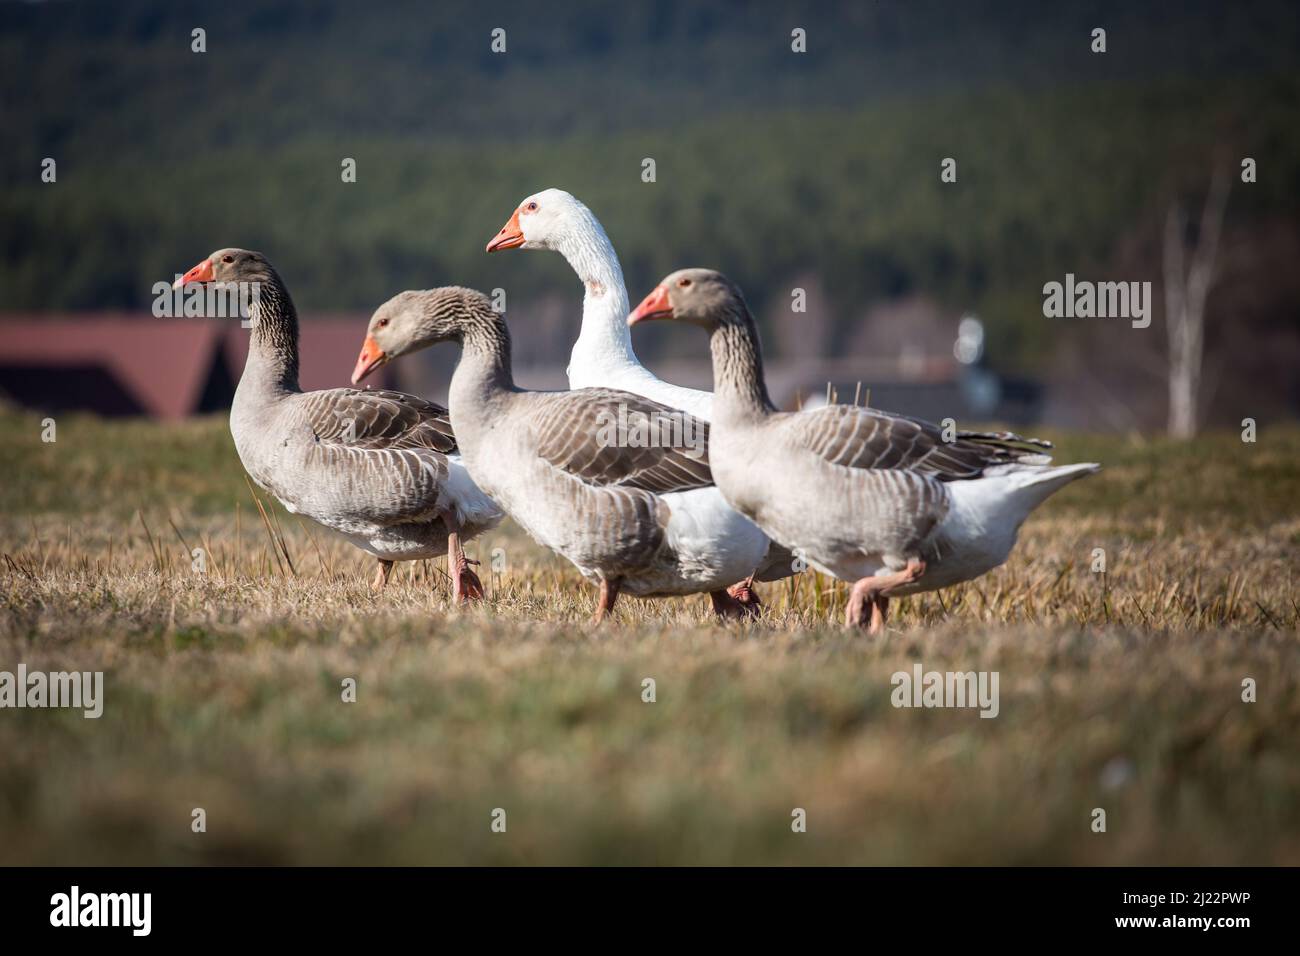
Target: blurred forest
772, 166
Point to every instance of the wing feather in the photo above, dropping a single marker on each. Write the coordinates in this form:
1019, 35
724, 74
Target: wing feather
378, 419
607, 437
375, 455
857, 437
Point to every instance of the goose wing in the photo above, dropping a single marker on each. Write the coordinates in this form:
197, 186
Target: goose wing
610, 438
374, 455
378, 419
866, 438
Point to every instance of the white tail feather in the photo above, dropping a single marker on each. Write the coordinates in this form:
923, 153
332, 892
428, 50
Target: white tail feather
1048, 481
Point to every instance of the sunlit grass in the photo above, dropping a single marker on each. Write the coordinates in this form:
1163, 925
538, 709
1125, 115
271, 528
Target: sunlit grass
223, 685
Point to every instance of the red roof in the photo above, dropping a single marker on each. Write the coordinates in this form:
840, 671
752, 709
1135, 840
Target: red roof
165, 364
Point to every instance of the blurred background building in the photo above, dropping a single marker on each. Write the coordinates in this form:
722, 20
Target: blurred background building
124, 364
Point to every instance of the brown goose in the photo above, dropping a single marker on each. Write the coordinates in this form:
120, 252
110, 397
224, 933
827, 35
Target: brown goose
876, 499
380, 467
635, 516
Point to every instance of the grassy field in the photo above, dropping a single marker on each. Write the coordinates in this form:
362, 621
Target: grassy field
223, 687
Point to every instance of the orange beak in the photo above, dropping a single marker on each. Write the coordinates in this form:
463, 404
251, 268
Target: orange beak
200, 273
371, 357
510, 236
653, 306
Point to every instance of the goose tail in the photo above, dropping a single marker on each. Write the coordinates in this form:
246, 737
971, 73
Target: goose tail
990, 510
1036, 485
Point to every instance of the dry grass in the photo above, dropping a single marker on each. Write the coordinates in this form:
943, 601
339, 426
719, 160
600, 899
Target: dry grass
223, 687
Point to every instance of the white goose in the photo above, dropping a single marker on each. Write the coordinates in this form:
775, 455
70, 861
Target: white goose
876, 499
643, 519
603, 356
379, 467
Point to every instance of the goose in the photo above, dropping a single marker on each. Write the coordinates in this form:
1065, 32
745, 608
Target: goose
603, 356
876, 499
380, 467
632, 515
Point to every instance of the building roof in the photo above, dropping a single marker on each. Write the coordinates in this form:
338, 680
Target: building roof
164, 368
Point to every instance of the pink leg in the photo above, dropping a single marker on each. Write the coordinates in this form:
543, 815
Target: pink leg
879, 611
874, 591
608, 595
727, 605
381, 576
745, 594
465, 585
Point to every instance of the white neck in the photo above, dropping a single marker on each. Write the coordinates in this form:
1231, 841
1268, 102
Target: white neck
605, 341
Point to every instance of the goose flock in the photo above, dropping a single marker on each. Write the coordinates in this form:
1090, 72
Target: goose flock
742, 493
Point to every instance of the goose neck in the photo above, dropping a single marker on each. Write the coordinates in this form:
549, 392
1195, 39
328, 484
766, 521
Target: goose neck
739, 388
273, 342
604, 337
484, 371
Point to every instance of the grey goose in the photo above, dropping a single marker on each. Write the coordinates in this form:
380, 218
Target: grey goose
380, 467
642, 519
879, 500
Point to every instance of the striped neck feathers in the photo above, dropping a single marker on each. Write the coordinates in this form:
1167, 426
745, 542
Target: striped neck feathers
485, 343
274, 339
738, 380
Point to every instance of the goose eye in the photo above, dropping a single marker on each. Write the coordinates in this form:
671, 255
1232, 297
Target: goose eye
531, 207
683, 283
382, 323
227, 258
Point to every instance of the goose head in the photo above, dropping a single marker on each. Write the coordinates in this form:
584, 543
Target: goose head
700, 297
545, 220
229, 265
415, 320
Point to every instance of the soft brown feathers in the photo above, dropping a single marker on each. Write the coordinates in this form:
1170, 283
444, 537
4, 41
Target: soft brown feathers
577, 432
858, 437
